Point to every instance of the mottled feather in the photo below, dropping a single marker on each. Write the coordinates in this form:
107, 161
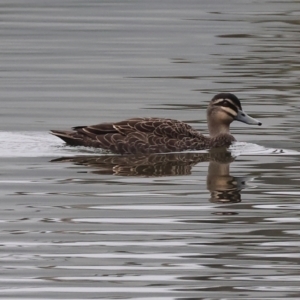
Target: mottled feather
158, 135
137, 135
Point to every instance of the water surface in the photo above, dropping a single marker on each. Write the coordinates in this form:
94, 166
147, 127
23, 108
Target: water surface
77, 224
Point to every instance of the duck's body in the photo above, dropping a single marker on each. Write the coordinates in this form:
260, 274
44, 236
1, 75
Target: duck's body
157, 135
142, 135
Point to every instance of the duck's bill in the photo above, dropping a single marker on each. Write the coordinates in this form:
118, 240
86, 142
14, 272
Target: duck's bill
243, 117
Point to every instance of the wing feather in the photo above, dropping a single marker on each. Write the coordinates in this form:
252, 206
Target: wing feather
137, 135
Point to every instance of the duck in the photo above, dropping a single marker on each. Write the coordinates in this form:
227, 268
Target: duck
159, 135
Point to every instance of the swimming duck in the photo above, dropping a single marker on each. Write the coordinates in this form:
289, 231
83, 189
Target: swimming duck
158, 135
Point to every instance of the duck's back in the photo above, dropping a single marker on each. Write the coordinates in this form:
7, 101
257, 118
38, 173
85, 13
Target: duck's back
137, 135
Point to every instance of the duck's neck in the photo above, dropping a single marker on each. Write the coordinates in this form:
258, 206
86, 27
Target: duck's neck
220, 135
217, 128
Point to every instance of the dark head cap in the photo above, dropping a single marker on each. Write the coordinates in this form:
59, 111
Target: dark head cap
228, 96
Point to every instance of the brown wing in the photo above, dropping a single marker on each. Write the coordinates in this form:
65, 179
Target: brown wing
137, 135
109, 127
157, 126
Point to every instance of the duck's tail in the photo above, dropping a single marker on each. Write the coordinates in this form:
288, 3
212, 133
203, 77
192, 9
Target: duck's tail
70, 137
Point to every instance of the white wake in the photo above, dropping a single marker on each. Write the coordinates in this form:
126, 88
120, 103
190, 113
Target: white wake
39, 144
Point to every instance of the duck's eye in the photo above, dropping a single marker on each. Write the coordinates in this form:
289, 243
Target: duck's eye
225, 103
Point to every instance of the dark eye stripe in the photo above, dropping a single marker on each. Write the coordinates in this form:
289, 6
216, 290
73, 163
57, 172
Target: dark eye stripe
230, 97
229, 104
229, 114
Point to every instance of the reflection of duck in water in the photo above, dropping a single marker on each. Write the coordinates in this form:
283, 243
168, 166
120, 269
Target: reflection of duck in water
156, 135
223, 187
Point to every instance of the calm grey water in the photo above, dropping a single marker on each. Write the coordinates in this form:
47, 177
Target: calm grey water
79, 225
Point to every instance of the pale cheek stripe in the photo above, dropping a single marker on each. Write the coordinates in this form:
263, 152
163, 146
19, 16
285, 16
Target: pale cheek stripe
229, 111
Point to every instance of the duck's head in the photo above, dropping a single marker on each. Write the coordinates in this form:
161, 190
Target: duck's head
223, 109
